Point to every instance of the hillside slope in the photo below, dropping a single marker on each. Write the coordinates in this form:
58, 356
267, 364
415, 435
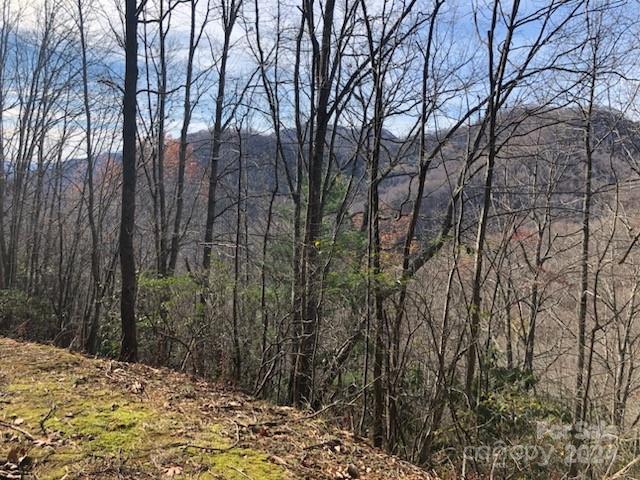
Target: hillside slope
63, 415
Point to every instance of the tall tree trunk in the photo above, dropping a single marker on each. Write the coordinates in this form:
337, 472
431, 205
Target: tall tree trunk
303, 390
129, 348
297, 282
5, 29
230, 14
237, 354
91, 331
374, 294
495, 75
183, 148
580, 401
581, 397
163, 252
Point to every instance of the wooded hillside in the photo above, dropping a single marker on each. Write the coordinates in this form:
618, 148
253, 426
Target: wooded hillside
64, 415
419, 217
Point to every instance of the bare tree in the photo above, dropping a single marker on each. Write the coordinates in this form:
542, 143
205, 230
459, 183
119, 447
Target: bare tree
129, 349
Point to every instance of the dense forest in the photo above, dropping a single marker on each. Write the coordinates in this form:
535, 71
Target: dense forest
416, 217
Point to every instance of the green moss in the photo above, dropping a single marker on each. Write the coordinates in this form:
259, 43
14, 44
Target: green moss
31, 401
107, 428
95, 421
54, 473
103, 419
239, 463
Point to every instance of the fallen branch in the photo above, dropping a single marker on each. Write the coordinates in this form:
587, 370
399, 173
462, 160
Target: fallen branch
47, 417
620, 473
334, 442
209, 449
241, 472
17, 429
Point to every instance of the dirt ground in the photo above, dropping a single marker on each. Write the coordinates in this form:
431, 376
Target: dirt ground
63, 415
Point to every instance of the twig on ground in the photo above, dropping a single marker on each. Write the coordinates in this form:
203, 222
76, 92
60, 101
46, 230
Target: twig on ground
47, 417
211, 449
241, 472
621, 473
17, 429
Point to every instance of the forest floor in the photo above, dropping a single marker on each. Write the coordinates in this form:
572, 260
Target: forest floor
66, 416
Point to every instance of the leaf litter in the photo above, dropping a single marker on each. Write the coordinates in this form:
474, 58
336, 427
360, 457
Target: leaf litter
67, 416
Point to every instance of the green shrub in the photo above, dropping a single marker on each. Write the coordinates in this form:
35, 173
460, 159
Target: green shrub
167, 317
25, 317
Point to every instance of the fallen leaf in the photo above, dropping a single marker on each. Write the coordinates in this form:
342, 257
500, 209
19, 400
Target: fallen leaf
279, 461
12, 456
173, 471
137, 387
352, 470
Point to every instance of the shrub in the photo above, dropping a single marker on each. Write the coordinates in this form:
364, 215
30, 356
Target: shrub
26, 317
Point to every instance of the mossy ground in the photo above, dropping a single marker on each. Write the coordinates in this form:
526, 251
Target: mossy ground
92, 429
82, 418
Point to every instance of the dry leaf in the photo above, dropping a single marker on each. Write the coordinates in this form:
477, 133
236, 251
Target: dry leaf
173, 471
278, 460
13, 455
137, 387
352, 470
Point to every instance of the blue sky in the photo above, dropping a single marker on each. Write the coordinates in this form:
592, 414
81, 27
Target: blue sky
460, 52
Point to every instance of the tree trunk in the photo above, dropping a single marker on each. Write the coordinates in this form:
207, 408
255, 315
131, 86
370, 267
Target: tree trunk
303, 389
129, 348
